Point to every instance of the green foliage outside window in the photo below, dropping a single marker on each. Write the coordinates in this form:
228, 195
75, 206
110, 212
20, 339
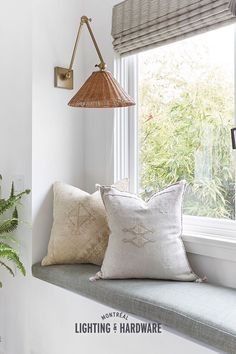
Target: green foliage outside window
186, 112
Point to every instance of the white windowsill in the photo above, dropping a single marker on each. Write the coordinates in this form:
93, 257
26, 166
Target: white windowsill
210, 246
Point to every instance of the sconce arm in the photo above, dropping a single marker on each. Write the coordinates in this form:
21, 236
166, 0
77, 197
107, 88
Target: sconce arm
63, 77
86, 20
102, 65
75, 46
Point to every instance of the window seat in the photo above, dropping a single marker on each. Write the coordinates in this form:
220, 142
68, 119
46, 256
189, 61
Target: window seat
202, 311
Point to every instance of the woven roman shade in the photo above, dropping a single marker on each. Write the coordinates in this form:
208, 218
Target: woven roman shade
141, 24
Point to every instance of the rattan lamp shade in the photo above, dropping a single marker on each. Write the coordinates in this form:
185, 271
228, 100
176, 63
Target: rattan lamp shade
101, 90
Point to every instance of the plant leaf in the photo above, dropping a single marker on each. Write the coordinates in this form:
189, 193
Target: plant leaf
6, 204
7, 267
9, 238
11, 254
9, 225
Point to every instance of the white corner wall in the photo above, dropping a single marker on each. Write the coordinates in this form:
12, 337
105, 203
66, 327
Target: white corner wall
57, 135
15, 159
41, 139
44, 140
99, 124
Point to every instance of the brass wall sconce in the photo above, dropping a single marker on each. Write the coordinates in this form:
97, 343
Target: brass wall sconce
101, 89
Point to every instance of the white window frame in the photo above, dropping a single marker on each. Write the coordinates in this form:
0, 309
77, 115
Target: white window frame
197, 231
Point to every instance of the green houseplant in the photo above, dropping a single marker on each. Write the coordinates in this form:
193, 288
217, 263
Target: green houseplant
9, 256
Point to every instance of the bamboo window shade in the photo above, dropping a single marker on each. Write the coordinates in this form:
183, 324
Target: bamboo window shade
142, 24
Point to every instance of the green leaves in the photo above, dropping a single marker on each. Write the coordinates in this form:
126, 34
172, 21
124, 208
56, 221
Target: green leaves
6, 204
9, 256
9, 225
191, 105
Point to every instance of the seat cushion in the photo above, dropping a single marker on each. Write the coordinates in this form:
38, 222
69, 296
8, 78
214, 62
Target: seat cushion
202, 311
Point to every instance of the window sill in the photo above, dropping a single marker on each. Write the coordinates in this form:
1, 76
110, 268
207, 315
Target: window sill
211, 246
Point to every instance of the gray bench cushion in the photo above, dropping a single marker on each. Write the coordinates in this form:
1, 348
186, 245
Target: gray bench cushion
202, 311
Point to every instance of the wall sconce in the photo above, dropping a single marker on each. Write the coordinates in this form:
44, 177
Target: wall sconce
100, 90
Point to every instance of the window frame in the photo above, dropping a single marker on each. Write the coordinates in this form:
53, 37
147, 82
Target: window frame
126, 153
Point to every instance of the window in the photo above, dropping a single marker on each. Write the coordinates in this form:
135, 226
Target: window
181, 126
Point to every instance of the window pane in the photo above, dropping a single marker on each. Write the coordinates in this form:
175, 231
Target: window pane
186, 111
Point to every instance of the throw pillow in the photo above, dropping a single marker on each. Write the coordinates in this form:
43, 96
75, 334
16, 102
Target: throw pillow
80, 231
145, 239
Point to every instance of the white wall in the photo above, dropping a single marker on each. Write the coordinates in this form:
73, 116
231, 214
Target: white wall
57, 128
99, 124
218, 271
15, 157
57, 132
68, 144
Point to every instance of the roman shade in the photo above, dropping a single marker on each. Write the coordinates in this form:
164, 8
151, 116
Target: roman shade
142, 24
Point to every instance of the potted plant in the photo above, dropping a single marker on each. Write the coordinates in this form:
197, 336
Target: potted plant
9, 256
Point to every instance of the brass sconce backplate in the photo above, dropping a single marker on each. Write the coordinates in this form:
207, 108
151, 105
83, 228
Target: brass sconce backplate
62, 79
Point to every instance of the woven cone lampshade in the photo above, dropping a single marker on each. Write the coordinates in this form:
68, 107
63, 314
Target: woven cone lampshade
101, 90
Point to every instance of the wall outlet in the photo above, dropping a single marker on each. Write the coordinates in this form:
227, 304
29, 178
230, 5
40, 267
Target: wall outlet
19, 184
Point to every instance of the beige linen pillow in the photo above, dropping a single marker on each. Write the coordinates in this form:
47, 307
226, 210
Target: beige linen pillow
145, 239
80, 231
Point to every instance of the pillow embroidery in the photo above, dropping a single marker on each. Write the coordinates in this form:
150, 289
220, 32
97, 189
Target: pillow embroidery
139, 235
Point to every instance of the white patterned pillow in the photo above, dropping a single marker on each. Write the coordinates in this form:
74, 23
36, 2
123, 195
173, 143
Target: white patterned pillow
80, 231
145, 239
